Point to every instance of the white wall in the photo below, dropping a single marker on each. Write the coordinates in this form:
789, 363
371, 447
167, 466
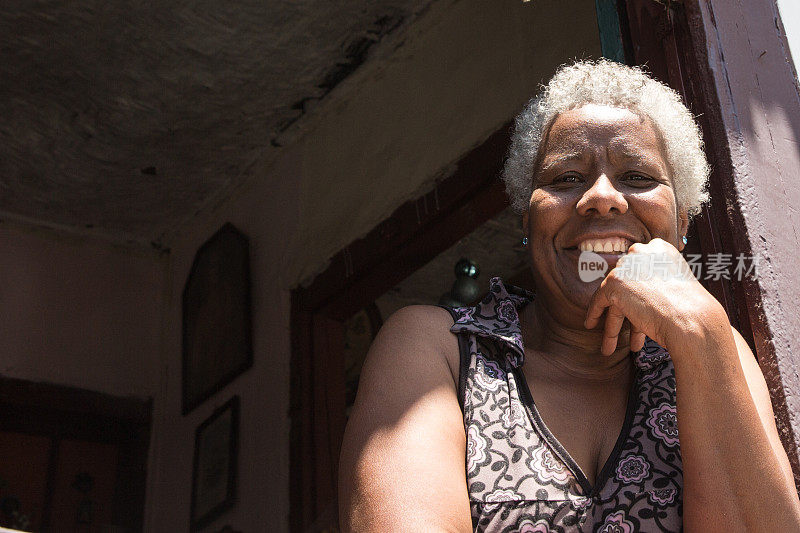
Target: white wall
790, 16
456, 76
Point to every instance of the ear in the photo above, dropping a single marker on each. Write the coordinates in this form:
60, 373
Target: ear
683, 226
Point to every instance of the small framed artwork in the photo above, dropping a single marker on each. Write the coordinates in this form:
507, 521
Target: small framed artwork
217, 327
216, 446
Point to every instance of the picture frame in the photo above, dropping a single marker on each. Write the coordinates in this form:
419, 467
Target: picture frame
214, 466
216, 317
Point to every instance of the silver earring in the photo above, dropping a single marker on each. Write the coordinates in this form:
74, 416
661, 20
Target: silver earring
685, 240
524, 241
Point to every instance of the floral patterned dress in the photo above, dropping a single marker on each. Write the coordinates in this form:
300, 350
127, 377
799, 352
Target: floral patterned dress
520, 478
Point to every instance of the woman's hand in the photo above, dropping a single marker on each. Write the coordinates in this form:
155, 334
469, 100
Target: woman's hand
653, 288
719, 386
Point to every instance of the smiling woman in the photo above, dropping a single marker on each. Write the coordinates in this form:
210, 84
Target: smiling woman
602, 404
602, 178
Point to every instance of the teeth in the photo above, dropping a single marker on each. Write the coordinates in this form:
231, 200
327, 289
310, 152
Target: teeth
605, 246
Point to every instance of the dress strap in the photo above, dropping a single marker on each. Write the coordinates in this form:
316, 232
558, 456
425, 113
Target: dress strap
463, 358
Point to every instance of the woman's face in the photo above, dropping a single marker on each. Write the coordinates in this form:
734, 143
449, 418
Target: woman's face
602, 179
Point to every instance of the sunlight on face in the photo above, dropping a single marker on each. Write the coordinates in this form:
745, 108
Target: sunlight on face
602, 174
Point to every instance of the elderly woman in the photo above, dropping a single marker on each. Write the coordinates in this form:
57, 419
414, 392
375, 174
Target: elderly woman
561, 411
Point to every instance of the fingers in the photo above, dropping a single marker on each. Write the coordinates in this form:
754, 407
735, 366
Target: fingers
615, 318
637, 339
613, 325
597, 305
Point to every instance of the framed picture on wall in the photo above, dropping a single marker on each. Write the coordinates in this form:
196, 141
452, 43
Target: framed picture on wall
216, 445
217, 344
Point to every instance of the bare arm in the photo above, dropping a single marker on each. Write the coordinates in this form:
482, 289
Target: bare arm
403, 455
737, 476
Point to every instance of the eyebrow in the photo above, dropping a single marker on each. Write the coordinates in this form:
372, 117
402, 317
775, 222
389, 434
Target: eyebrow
562, 159
637, 157
628, 156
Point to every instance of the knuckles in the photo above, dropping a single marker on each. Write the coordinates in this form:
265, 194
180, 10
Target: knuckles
614, 276
655, 246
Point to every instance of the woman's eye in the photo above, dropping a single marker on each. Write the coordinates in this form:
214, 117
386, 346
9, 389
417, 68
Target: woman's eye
638, 179
567, 178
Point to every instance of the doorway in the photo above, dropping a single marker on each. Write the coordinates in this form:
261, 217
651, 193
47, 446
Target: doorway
80, 459
365, 273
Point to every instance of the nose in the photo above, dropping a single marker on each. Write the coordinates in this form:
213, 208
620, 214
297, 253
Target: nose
602, 197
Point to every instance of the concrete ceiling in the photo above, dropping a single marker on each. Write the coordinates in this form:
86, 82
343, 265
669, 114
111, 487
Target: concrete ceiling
126, 118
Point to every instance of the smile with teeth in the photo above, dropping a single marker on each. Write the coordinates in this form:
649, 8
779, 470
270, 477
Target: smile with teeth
613, 245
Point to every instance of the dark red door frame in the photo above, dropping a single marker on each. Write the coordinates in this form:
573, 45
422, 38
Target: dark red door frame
413, 235
671, 44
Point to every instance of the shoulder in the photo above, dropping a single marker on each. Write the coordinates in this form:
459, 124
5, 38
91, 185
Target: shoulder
417, 335
429, 318
403, 452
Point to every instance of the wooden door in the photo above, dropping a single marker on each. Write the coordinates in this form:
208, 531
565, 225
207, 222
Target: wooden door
72, 460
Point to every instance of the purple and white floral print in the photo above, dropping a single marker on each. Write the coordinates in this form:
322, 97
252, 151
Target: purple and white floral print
662, 496
476, 449
520, 479
489, 375
633, 469
547, 467
513, 414
650, 355
528, 526
506, 311
495, 498
663, 422
616, 523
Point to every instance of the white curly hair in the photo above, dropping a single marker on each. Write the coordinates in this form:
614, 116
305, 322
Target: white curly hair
609, 83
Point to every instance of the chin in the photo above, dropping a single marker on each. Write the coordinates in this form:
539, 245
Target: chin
576, 290
579, 292
583, 297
